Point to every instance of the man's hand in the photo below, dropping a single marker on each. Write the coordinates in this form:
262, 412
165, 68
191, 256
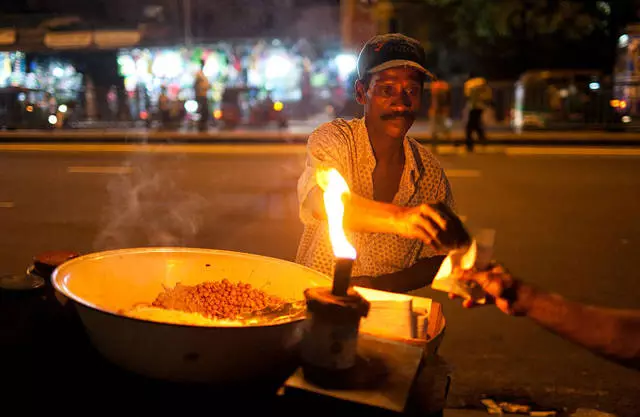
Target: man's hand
435, 224
509, 294
422, 222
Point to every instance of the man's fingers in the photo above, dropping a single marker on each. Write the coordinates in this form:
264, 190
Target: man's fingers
427, 211
429, 227
419, 233
490, 283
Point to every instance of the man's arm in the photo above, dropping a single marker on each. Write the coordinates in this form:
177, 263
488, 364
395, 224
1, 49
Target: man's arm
364, 215
612, 333
417, 276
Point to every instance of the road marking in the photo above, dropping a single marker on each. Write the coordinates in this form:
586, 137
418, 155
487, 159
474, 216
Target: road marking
525, 151
463, 173
193, 149
6, 204
100, 170
289, 149
462, 150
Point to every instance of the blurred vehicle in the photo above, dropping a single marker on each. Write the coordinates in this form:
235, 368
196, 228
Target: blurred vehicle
66, 115
626, 83
562, 99
231, 103
247, 106
24, 108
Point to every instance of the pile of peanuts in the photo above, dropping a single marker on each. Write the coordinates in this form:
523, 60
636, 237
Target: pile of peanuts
219, 299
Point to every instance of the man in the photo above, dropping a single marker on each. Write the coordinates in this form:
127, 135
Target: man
612, 333
202, 90
164, 107
440, 110
393, 180
479, 96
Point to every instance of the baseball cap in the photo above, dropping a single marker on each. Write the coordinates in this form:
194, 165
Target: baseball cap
389, 51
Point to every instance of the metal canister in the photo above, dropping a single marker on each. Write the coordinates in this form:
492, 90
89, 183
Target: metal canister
329, 346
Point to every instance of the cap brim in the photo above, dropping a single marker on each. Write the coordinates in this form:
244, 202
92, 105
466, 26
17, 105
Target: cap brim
399, 63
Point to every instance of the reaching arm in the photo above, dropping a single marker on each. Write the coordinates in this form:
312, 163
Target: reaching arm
417, 276
363, 215
612, 333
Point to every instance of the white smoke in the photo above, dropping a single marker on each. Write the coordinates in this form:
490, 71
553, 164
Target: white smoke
148, 208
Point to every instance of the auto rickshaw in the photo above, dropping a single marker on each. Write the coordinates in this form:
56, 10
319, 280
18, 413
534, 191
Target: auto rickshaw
560, 99
23, 108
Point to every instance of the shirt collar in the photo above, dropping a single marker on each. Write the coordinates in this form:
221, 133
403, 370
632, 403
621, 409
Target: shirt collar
413, 169
411, 154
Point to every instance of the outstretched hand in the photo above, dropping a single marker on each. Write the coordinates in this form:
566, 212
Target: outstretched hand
507, 293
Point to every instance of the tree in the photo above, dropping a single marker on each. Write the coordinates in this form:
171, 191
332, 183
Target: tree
510, 36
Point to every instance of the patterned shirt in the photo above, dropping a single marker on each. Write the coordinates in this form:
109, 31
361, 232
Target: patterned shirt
345, 146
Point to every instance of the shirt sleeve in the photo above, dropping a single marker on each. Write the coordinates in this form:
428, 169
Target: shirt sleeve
327, 147
444, 192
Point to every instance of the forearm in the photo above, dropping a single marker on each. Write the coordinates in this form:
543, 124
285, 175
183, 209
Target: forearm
611, 333
360, 214
417, 276
364, 215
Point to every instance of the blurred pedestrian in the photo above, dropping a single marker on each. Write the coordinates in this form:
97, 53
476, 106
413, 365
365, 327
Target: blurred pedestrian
112, 102
440, 110
479, 95
164, 108
201, 88
612, 333
51, 103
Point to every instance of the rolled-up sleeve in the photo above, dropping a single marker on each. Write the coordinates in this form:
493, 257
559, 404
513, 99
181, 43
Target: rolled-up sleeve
326, 148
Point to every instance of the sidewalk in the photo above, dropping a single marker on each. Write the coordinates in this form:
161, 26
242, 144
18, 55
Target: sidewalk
299, 131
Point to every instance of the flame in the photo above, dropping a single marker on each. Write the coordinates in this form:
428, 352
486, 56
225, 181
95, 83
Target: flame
462, 261
445, 269
469, 258
335, 188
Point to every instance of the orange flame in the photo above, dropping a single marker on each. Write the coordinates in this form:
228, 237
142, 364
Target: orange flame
335, 188
469, 258
463, 261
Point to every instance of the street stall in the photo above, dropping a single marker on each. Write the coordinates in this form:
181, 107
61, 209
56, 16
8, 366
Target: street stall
287, 73
157, 328
50, 88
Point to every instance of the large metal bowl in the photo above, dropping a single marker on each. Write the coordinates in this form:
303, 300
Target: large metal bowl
103, 283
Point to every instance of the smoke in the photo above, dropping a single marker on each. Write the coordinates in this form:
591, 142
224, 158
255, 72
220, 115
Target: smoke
149, 208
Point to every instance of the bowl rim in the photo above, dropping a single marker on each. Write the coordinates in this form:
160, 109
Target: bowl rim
56, 278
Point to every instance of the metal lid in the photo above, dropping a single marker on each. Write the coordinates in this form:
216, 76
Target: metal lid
18, 282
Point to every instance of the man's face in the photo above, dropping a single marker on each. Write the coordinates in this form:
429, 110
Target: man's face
392, 100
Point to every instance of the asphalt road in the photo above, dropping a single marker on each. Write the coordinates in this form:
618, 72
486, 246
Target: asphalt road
565, 222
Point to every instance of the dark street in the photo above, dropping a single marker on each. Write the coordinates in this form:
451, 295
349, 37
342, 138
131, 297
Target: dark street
564, 222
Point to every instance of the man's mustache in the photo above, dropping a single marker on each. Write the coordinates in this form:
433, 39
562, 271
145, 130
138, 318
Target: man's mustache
399, 115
